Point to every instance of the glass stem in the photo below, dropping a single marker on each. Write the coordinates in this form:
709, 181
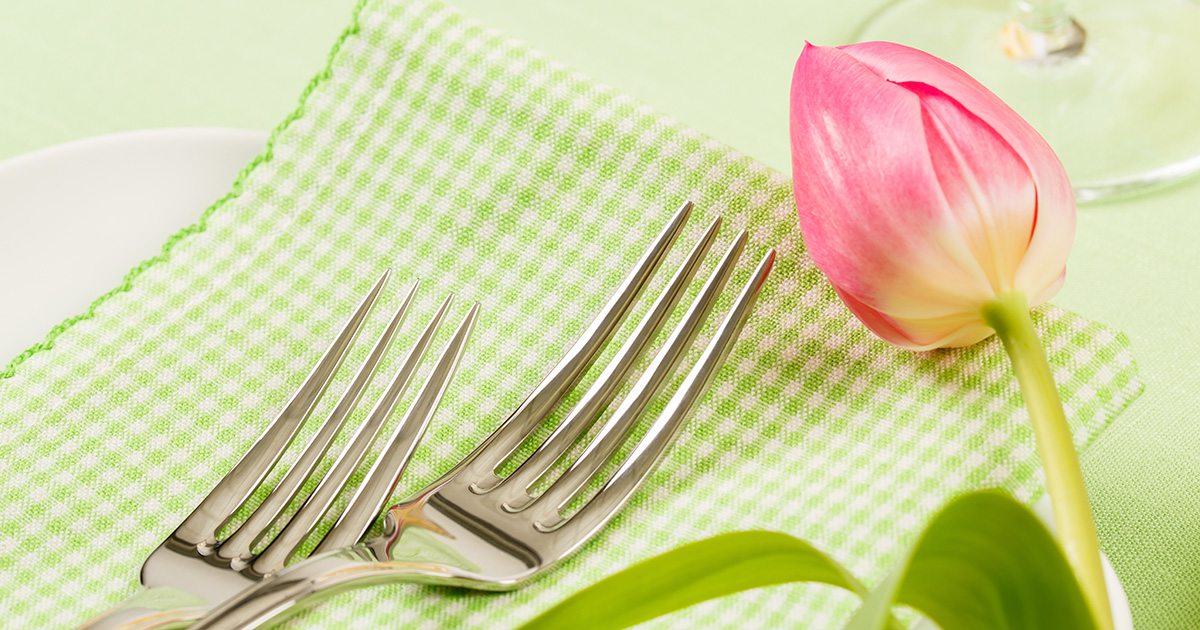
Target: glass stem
1043, 16
1043, 31
1073, 523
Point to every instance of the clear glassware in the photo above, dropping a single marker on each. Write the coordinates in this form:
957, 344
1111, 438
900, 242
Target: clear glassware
1113, 86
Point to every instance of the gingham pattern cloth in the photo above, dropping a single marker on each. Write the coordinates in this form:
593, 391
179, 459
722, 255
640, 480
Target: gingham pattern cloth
437, 147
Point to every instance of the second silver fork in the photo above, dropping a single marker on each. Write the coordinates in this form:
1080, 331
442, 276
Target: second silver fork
193, 569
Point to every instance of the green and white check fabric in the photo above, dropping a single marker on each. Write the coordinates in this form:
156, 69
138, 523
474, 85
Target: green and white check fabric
438, 147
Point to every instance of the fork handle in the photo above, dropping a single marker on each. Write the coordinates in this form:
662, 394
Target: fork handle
300, 586
157, 607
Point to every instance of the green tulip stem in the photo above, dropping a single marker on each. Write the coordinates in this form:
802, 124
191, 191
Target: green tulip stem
1073, 522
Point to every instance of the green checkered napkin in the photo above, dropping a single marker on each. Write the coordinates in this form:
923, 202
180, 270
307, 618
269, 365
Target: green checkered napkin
438, 147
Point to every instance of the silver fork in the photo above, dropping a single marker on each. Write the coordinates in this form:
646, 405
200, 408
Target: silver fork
477, 529
193, 569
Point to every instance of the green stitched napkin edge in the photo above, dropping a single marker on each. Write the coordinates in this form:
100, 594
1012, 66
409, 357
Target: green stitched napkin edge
201, 224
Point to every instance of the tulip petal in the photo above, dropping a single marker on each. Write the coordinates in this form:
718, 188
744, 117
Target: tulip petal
988, 189
870, 204
917, 334
880, 324
1054, 226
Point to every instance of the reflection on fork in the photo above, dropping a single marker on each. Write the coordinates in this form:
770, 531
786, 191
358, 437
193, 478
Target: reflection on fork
478, 529
192, 569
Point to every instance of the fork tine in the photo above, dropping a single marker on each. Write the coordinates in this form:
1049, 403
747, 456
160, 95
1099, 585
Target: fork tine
373, 493
610, 436
498, 446
241, 542
636, 468
199, 528
600, 394
276, 554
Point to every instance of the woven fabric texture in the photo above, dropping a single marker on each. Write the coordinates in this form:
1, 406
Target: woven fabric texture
437, 147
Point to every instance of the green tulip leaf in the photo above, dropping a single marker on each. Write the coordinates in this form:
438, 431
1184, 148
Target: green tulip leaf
984, 561
696, 572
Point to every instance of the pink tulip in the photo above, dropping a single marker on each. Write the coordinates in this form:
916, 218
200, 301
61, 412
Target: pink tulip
940, 216
922, 196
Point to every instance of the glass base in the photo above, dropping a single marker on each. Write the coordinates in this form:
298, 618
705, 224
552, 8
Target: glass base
1123, 114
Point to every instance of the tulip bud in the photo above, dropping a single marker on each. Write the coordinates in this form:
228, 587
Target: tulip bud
921, 195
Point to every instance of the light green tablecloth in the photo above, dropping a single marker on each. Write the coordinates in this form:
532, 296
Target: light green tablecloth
96, 68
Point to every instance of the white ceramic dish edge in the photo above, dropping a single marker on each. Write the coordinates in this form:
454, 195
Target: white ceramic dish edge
76, 217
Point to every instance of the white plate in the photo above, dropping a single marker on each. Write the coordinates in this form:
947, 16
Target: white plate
76, 217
